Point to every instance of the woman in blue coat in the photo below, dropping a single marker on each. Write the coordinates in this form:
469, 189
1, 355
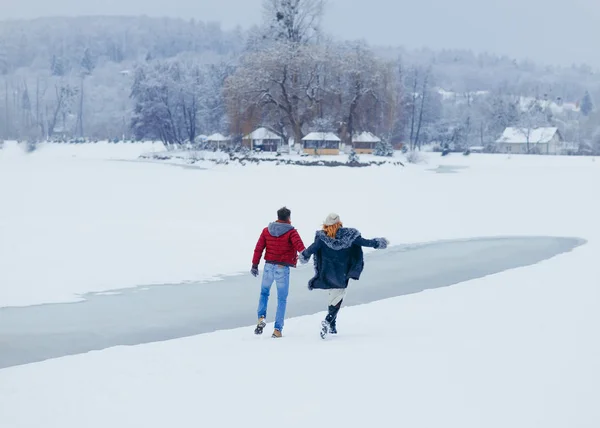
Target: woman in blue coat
338, 257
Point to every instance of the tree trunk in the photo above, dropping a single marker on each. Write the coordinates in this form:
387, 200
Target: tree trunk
481, 135
37, 105
414, 111
297, 130
59, 100
7, 118
425, 81
80, 115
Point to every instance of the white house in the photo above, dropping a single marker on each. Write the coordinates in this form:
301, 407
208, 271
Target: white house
546, 140
263, 139
364, 143
218, 140
322, 143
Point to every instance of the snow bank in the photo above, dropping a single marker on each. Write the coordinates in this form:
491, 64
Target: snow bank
99, 150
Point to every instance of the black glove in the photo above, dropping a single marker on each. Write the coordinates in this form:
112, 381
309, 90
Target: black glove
254, 270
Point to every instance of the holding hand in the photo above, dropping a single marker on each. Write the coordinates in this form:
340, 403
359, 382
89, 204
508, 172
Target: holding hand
254, 270
302, 258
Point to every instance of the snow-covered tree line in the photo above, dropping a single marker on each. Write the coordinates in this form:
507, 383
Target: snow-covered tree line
173, 100
173, 80
72, 77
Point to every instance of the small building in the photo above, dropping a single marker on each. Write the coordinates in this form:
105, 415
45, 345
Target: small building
263, 139
321, 143
219, 140
544, 140
201, 138
364, 143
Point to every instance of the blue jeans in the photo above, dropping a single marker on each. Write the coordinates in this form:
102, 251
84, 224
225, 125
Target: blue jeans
281, 276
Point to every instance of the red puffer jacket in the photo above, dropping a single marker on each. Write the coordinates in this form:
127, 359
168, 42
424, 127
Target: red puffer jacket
283, 243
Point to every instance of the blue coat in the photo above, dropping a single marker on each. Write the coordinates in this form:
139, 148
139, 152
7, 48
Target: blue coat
337, 260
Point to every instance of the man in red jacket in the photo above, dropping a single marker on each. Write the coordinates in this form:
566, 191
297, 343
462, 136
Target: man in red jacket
283, 243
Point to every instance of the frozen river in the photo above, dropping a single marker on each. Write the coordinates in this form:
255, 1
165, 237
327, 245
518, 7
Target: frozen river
155, 313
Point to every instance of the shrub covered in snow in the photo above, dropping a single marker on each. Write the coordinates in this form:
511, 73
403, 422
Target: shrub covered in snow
383, 148
30, 146
414, 156
353, 157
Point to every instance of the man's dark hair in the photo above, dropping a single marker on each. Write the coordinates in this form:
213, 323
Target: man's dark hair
283, 214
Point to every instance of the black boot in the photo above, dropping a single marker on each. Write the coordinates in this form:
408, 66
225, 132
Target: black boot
331, 317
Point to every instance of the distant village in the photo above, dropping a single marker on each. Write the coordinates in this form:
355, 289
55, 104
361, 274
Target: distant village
514, 140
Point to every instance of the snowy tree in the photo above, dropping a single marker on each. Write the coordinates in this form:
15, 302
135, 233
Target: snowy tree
87, 62
353, 85
595, 144
383, 148
422, 105
58, 66
353, 158
65, 94
293, 21
283, 80
587, 106
278, 81
393, 117
158, 113
173, 98
500, 111
531, 118
213, 115
87, 67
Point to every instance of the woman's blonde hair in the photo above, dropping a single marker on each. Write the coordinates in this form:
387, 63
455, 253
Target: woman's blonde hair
331, 230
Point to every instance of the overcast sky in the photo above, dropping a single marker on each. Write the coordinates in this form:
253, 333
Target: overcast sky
551, 31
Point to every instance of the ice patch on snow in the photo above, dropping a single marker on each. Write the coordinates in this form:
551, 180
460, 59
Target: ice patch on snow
125, 317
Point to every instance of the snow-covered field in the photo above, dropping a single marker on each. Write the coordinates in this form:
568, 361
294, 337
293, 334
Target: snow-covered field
516, 349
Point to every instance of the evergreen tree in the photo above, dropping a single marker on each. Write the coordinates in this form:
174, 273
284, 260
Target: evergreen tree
353, 158
587, 106
383, 148
57, 66
87, 62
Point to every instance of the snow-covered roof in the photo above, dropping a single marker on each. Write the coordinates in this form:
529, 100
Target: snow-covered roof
217, 137
365, 137
519, 135
525, 103
262, 134
321, 136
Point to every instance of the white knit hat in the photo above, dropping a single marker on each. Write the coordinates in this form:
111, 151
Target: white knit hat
332, 219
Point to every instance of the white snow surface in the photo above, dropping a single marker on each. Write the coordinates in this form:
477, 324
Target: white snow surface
517, 349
